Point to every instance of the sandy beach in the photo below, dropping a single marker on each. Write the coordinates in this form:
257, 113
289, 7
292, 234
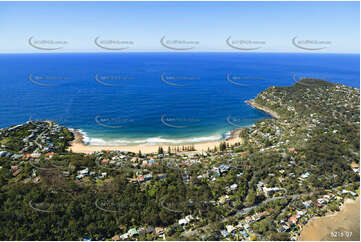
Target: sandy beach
78, 145
344, 224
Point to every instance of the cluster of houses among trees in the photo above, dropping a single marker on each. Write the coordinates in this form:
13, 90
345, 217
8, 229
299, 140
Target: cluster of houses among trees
288, 170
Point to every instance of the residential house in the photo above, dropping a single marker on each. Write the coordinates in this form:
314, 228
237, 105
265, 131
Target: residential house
83, 172
17, 172
49, 155
224, 233
230, 228
159, 230
182, 222
233, 187
133, 232
140, 178
249, 220
292, 220
116, 238
306, 175
355, 167
124, 236
269, 191
307, 204
66, 173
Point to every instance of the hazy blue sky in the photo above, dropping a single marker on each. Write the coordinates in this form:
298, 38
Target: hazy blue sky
141, 25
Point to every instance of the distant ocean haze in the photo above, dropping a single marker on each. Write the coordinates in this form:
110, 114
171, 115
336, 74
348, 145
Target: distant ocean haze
135, 98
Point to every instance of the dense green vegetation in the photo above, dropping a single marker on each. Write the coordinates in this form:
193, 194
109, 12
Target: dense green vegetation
318, 134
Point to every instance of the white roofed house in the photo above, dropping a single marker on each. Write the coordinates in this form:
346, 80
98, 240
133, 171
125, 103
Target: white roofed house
79, 176
224, 233
233, 187
182, 222
349, 192
269, 191
306, 175
189, 218
230, 228
124, 236
83, 172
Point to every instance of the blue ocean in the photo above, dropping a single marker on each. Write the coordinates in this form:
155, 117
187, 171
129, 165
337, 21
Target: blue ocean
149, 98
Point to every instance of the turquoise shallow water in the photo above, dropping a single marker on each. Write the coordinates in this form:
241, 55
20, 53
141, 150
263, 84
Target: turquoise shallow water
149, 98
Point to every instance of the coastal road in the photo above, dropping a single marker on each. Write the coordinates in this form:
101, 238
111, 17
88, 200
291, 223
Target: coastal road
41, 135
249, 209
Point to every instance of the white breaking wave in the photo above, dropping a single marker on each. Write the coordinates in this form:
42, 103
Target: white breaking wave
148, 141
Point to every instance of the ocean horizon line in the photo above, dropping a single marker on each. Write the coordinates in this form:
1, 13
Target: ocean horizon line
179, 52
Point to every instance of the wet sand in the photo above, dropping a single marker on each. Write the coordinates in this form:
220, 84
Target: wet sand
78, 146
345, 222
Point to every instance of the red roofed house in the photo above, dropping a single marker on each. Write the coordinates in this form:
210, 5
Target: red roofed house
244, 153
27, 156
50, 155
17, 172
116, 238
159, 230
14, 168
248, 219
293, 220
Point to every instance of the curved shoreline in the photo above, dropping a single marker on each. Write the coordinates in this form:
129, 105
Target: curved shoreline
255, 105
343, 221
78, 146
